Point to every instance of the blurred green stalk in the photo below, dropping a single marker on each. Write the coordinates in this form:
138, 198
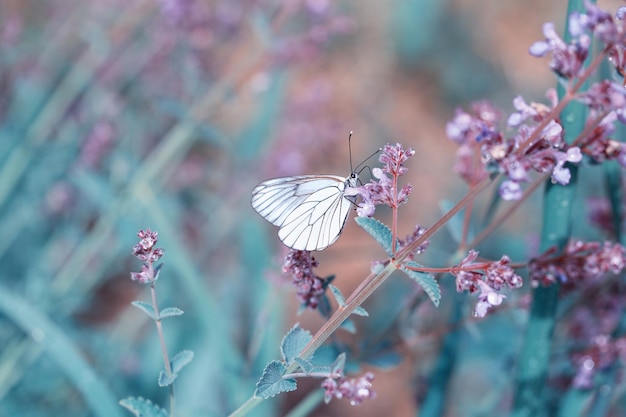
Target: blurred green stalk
532, 371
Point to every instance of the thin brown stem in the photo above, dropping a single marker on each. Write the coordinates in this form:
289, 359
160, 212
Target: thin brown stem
498, 221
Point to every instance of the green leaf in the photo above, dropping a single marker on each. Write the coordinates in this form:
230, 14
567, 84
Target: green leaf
305, 365
379, 231
146, 308
360, 311
348, 326
341, 301
165, 380
141, 407
339, 363
68, 357
425, 280
181, 359
170, 312
272, 381
294, 342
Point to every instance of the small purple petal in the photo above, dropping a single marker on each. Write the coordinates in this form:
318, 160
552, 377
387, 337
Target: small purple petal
510, 190
539, 49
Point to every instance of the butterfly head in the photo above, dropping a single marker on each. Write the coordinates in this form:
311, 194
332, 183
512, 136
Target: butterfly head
352, 180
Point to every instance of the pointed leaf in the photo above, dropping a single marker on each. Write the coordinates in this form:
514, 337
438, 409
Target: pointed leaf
348, 325
294, 342
339, 363
425, 280
170, 312
165, 380
180, 360
141, 407
360, 311
146, 308
338, 295
378, 231
272, 381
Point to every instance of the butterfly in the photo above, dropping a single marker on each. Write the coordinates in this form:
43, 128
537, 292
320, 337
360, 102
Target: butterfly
310, 210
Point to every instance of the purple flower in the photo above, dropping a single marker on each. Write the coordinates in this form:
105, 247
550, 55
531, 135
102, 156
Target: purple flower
419, 230
382, 189
146, 252
486, 278
354, 390
309, 287
580, 262
567, 61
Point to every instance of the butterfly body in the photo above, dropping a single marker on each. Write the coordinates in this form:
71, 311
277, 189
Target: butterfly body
310, 210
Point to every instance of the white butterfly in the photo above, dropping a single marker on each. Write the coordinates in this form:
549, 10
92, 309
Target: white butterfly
310, 210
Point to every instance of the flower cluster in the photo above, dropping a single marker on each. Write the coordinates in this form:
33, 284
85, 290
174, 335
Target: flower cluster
383, 189
419, 230
484, 150
146, 252
579, 262
537, 142
354, 390
599, 355
487, 278
594, 328
309, 287
567, 60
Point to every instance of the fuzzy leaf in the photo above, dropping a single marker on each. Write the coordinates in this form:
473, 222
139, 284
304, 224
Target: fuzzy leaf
165, 380
294, 342
141, 407
272, 381
425, 280
170, 312
348, 325
305, 365
360, 311
338, 295
146, 308
379, 231
180, 360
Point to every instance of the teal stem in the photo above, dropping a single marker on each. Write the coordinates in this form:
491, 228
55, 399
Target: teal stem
529, 397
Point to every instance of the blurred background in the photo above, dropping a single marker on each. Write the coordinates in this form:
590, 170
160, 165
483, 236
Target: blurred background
120, 115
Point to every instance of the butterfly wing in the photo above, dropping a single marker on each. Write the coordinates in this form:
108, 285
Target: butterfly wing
309, 209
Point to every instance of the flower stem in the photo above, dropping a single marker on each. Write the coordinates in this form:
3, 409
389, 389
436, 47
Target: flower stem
166, 358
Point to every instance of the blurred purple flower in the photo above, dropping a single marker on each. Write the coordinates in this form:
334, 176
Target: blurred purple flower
146, 252
354, 390
580, 262
309, 287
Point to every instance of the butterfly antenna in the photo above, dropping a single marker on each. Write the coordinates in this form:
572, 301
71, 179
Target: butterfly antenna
368, 158
350, 150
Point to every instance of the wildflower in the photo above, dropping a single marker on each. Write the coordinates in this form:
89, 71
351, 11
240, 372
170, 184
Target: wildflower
309, 287
146, 252
580, 262
382, 189
354, 390
419, 230
567, 60
487, 278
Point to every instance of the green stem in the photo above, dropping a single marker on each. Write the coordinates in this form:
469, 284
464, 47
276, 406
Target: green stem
166, 358
530, 384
